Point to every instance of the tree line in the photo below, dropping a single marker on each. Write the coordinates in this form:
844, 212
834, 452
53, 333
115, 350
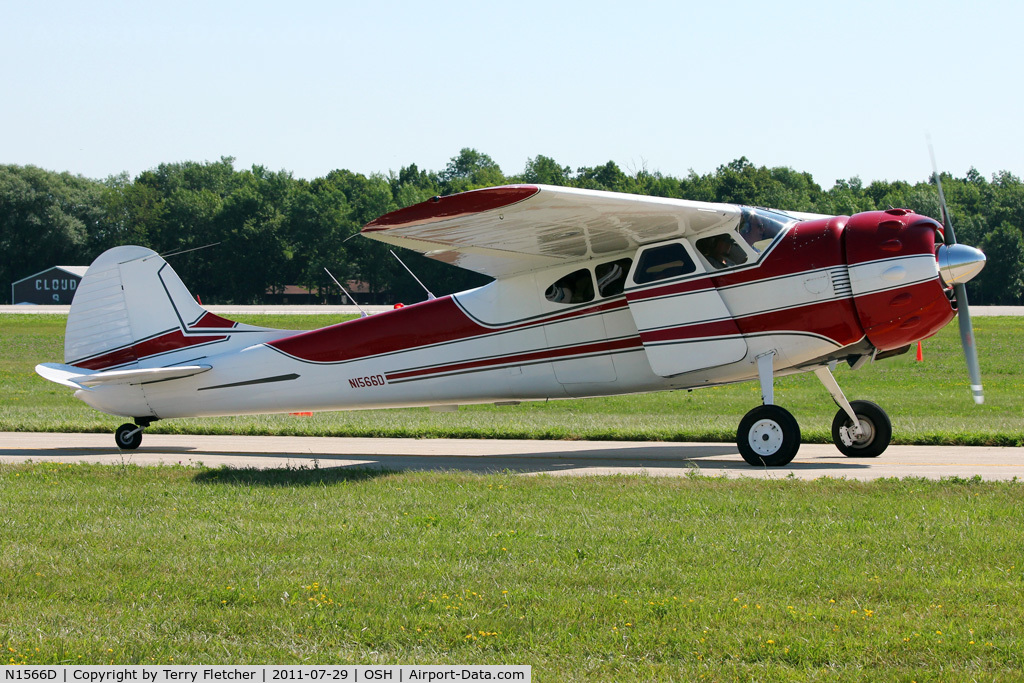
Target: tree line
270, 229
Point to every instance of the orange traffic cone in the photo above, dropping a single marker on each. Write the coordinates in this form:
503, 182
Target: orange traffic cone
920, 356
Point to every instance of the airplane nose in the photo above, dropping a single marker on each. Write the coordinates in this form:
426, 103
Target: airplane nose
958, 263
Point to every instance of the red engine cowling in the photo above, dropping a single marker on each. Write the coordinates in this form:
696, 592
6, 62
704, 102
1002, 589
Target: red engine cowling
894, 276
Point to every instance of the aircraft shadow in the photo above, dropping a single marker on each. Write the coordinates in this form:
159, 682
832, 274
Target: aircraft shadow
289, 476
325, 468
629, 461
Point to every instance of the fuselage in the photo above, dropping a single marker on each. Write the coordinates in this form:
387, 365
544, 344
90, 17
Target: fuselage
818, 291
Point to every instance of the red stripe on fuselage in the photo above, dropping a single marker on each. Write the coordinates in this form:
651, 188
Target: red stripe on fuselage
431, 322
164, 343
422, 324
696, 331
835, 320
685, 287
609, 305
212, 320
522, 358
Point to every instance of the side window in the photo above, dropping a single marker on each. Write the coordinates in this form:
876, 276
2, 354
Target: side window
575, 288
659, 263
611, 276
760, 227
721, 251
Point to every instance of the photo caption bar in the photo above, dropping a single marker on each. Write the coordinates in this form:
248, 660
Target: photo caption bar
397, 673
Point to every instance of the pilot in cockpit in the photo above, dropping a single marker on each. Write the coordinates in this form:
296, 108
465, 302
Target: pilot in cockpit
753, 231
758, 231
719, 251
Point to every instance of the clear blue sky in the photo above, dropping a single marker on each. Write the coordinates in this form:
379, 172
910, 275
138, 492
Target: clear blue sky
835, 89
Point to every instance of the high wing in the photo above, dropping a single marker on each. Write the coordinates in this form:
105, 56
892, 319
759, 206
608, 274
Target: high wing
501, 231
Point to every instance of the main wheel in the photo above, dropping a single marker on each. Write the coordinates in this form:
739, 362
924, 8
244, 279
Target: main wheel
128, 436
876, 430
768, 436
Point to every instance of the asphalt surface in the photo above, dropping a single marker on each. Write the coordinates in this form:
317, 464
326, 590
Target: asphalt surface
520, 456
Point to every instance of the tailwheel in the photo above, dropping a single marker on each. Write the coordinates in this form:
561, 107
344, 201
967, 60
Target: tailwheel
128, 436
768, 436
871, 439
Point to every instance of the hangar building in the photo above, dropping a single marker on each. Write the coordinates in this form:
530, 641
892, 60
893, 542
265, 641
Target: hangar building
54, 286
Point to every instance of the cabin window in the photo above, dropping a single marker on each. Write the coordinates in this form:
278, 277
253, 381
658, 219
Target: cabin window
721, 251
575, 288
659, 263
759, 227
611, 276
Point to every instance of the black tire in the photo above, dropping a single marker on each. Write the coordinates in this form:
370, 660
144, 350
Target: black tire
768, 436
877, 430
127, 441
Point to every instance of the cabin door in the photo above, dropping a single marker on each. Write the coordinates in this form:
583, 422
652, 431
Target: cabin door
683, 322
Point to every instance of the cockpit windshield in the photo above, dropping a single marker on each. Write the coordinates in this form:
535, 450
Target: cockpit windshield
760, 227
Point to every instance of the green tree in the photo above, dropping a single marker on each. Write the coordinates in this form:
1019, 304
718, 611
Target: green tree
605, 177
1002, 281
131, 209
411, 185
546, 171
275, 230
470, 170
254, 253
1008, 200
846, 198
45, 220
319, 222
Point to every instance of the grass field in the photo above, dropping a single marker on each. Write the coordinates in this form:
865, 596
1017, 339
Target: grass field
588, 579
584, 579
929, 402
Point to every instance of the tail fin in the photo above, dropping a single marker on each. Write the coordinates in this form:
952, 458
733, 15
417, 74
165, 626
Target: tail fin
131, 306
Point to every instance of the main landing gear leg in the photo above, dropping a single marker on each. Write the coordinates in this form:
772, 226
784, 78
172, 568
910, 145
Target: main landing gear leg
768, 436
129, 436
860, 429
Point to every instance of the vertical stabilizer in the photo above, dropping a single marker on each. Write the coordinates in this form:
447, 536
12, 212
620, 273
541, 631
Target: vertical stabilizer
130, 305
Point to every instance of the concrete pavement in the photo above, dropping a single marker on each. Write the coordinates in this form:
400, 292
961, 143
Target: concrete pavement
520, 456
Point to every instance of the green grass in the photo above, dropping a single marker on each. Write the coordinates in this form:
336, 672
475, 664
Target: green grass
589, 579
929, 402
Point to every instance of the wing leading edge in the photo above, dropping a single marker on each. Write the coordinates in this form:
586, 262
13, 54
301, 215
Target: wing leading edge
501, 231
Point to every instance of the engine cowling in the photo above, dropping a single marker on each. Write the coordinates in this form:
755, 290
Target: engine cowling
894, 276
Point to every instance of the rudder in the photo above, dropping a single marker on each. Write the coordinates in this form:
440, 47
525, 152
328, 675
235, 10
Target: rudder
130, 296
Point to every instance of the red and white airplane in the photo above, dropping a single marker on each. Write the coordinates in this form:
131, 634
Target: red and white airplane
595, 293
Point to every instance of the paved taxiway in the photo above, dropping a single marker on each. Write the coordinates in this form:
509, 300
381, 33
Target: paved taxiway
527, 457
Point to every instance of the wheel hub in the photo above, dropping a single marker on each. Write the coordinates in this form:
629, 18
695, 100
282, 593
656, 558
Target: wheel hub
859, 436
765, 437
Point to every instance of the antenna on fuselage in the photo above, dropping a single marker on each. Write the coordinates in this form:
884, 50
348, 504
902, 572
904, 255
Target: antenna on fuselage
362, 313
429, 294
186, 251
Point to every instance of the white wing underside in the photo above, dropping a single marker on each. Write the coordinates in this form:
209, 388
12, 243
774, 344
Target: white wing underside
513, 229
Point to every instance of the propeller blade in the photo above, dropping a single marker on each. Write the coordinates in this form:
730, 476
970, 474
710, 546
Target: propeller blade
967, 341
947, 224
965, 262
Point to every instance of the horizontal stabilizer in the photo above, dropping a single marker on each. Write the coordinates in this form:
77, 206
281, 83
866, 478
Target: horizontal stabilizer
80, 378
